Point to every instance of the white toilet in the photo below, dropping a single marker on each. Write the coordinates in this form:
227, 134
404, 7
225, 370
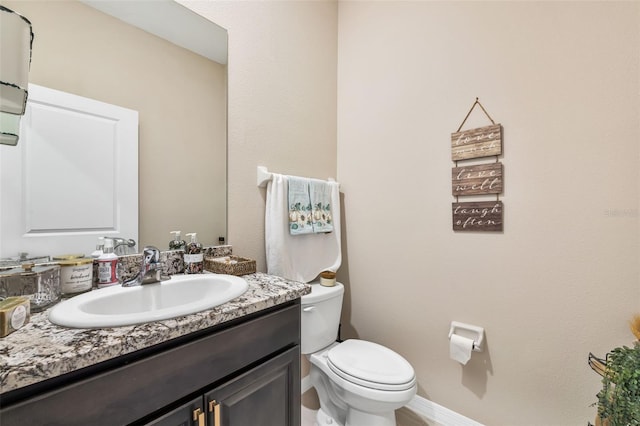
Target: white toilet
359, 383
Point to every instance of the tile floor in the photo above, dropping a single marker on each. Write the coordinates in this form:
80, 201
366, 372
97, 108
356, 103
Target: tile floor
404, 417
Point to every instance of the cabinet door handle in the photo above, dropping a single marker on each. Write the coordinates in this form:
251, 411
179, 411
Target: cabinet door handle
308, 308
214, 407
198, 416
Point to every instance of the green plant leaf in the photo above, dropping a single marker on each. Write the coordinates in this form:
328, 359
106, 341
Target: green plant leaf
619, 398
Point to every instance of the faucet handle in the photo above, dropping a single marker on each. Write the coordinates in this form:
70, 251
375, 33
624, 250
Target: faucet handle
150, 255
151, 269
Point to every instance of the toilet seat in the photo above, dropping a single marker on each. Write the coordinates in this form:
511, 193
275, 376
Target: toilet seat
371, 365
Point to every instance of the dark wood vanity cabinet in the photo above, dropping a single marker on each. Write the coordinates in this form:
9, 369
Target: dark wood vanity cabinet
246, 372
260, 397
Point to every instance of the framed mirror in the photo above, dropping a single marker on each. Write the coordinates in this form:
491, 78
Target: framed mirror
180, 96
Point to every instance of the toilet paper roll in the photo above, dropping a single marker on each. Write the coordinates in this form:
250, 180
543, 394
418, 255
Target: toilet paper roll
460, 348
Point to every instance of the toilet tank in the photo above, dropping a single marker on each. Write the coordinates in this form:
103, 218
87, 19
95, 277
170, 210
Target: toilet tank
320, 317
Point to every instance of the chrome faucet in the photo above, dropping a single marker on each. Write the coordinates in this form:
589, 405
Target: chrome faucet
150, 269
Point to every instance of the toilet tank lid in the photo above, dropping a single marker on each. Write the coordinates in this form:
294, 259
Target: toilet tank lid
320, 292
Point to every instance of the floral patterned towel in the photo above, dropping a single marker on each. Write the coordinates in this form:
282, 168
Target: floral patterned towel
320, 193
300, 221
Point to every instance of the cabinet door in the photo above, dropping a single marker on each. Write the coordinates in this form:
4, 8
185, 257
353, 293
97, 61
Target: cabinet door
267, 395
189, 414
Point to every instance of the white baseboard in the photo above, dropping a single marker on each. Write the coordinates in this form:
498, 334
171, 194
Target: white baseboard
439, 414
305, 384
423, 407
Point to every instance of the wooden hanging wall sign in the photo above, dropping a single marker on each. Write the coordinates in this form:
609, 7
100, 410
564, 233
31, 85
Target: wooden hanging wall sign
476, 143
477, 179
483, 216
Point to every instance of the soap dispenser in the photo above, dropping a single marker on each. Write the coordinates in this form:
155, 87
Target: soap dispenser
107, 266
99, 248
177, 243
193, 256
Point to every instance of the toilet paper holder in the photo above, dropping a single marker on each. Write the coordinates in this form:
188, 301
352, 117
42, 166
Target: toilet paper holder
469, 331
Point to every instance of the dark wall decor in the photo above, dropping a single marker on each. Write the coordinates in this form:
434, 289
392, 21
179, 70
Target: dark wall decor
481, 216
478, 178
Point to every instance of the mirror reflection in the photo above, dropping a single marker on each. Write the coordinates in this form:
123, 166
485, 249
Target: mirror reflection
181, 100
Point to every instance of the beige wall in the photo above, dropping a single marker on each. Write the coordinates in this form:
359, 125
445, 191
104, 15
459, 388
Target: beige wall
563, 278
282, 101
180, 97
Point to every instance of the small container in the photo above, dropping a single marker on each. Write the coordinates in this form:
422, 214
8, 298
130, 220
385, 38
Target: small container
177, 243
67, 257
40, 284
27, 258
99, 248
328, 278
230, 265
107, 266
193, 256
76, 276
15, 262
15, 312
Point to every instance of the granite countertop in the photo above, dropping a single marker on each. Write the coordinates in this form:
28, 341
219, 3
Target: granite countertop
41, 350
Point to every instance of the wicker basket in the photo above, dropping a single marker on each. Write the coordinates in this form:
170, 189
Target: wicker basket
243, 266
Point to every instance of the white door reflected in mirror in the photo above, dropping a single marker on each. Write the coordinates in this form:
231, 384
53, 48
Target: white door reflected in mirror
180, 96
73, 179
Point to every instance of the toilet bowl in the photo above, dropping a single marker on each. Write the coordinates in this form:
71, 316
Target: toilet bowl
359, 383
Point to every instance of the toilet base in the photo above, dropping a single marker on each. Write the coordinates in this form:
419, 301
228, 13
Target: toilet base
323, 419
357, 418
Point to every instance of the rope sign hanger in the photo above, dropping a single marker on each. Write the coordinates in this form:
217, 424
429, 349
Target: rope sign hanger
477, 102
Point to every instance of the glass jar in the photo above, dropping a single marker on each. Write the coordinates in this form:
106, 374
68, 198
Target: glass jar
76, 276
40, 283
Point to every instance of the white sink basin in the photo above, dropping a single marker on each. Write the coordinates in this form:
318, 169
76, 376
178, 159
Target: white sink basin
118, 306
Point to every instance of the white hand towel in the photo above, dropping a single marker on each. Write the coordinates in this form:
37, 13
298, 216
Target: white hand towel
320, 194
300, 218
298, 257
